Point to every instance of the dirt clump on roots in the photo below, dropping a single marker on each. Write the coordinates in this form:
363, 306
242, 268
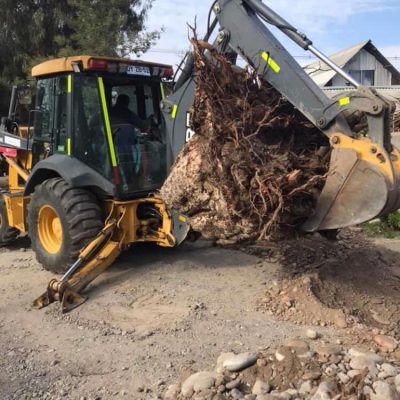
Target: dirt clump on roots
255, 167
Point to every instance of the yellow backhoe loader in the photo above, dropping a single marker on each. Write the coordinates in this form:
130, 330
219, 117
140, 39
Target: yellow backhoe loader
103, 132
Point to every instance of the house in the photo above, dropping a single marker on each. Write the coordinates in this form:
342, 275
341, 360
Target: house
364, 62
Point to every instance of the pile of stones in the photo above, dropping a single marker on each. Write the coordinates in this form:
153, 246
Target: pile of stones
302, 369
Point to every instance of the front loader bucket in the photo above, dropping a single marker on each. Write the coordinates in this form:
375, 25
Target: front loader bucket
363, 184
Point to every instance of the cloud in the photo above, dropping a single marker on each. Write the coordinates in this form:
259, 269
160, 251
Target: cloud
391, 51
317, 18
174, 17
393, 54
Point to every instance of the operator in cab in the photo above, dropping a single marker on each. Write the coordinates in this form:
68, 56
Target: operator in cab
121, 114
127, 126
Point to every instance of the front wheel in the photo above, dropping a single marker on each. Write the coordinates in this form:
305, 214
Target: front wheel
61, 221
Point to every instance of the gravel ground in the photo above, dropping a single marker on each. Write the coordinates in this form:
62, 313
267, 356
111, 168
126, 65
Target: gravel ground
153, 319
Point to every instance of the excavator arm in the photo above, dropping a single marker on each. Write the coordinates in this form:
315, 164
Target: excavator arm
363, 182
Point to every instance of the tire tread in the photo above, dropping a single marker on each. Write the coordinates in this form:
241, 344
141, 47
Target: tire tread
81, 211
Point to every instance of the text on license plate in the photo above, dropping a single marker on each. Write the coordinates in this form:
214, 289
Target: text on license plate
137, 70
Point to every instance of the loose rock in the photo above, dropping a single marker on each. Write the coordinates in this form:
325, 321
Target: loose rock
240, 362
311, 334
306, 388
233, 384
361, 363
221, 359
328, 350
387, 371
197, 382
325, 391
383, 391
236, 394
386, 342
377, 359
172, 392
298, 346
261, 388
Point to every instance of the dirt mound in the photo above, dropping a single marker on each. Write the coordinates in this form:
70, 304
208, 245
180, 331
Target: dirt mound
338, 283
365, 284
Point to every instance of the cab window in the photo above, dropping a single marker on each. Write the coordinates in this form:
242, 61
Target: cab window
50, 117
90, 141
44, 109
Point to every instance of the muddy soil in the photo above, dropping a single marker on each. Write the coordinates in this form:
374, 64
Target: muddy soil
157, 315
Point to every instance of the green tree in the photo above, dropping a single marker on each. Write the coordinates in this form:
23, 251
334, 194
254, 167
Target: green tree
109, 27
28, 31
34, 30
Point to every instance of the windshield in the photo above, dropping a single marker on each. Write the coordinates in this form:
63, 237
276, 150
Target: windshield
118, 130
138, 137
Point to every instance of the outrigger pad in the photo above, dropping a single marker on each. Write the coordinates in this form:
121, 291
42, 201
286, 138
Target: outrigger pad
48, 297
71, 300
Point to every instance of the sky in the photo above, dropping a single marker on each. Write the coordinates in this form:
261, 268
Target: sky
332, 25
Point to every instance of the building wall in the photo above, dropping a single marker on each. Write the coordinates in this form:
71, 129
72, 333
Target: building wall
365, 61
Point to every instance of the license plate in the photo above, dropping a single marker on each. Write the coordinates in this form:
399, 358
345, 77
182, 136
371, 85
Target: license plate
137, 70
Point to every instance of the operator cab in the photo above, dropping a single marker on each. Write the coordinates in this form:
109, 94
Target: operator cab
106, 113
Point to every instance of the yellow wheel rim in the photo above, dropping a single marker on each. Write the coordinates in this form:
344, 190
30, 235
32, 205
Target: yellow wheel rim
49, 229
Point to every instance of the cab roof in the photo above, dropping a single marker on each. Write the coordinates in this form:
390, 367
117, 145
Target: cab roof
60, 65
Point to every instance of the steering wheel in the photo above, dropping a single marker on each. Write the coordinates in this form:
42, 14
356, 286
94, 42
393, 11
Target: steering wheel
152, 120
154, 129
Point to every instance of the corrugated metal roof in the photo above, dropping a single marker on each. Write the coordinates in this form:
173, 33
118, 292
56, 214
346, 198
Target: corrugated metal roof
322, 74
391, 92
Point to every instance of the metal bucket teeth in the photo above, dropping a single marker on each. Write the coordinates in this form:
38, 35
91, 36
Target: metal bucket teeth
356, 191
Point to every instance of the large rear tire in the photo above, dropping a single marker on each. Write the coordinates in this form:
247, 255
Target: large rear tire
7, 234
61, 221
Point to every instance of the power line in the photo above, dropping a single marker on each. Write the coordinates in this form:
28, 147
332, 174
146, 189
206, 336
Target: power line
303, 59
182, 52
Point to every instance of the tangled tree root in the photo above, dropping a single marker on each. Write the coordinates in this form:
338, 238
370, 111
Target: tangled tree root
396, 121
255, 167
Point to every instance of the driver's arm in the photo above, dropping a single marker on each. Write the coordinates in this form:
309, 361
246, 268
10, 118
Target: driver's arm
136, 121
